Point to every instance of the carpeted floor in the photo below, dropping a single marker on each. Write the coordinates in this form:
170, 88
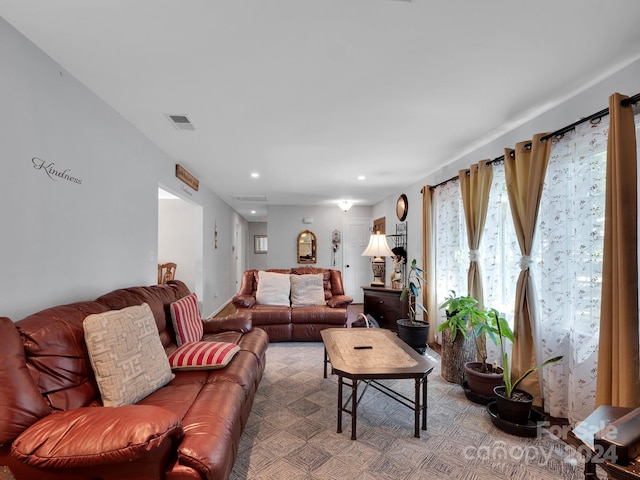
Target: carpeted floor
291, 433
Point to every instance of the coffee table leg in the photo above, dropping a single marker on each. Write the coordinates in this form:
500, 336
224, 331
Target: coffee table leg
424, 403
417, 409
339, 403
354, 406
325, 362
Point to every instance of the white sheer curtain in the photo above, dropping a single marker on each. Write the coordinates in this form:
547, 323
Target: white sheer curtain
500, 255
452, 257
567, 262
568, 268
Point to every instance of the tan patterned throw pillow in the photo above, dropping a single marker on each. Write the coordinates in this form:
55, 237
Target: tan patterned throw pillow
307, 290
126, 354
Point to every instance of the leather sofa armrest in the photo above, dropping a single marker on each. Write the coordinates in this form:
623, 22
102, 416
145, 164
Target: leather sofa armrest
236, 322
243, 301
94, 436
338, 301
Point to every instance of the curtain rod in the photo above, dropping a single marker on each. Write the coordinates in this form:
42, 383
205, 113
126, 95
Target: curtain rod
602, 113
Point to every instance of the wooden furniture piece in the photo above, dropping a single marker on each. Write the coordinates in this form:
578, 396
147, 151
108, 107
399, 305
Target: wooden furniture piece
384, 304
166, 272
365, 355
581, 438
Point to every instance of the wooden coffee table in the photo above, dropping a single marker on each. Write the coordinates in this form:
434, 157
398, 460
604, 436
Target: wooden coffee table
387, 357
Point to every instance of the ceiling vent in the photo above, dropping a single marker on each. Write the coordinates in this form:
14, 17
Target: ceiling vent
249, 198
180, 122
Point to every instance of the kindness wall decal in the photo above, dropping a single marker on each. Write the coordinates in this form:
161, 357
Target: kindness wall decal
52, 173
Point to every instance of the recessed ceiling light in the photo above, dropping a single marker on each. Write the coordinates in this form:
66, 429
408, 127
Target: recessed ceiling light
361, 177
255, 174
253, 212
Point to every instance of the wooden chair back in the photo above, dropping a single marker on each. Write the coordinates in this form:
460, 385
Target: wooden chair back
166, 272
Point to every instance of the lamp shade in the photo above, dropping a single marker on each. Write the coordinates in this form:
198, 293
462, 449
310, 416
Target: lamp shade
377, 247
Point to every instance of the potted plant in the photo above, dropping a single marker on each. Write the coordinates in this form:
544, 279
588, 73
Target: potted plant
482, 376
513, 405
463, 314
412, 331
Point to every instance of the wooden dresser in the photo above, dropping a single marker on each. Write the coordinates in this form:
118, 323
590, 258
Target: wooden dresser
383, 304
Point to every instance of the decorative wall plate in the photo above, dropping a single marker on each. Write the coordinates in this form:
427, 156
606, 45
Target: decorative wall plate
402, 207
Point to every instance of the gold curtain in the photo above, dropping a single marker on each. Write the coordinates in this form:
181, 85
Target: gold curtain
428, 257
475, 185
524, 171
617, 383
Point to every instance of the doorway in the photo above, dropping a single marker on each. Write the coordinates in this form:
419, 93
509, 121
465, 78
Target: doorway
180, 238
357, 269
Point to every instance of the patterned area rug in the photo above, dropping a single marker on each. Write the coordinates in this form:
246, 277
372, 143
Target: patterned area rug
291, 433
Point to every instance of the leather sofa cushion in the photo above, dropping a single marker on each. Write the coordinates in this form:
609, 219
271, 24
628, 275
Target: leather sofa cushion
318, 315
213, 433
270, 315
21, 403
94, 436
54, 346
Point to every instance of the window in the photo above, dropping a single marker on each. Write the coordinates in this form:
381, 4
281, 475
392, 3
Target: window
566, 262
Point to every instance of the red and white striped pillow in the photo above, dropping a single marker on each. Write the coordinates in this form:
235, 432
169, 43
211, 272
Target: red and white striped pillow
202, 355
185, 315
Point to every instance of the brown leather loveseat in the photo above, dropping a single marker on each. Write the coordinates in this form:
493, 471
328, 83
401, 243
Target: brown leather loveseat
288, 323
53, 424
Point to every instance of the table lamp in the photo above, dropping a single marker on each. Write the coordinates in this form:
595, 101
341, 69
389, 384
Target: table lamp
377, 249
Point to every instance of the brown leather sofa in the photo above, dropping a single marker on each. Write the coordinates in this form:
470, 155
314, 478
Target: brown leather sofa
300, 324
188, 429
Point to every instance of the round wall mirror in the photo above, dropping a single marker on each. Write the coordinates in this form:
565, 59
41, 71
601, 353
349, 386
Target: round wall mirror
306, 247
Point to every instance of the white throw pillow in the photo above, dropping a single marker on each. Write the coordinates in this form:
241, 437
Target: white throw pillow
126, 354
273, 288
307, 290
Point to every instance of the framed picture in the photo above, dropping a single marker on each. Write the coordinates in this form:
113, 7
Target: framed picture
259, 244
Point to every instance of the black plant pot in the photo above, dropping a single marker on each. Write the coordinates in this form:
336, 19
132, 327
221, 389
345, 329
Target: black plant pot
414, 334
514, 410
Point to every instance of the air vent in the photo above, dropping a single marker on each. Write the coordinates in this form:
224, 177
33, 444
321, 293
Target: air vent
180, 122
249, 198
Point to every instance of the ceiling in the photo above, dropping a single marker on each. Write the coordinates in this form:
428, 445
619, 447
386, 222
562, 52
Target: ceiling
311, 94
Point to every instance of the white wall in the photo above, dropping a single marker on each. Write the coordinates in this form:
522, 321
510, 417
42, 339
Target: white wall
259, 261
180, 239
63, 241
590, 101
286, 222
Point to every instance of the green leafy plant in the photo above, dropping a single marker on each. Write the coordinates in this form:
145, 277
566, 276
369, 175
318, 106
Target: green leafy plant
415, 282
463, 315
500, 326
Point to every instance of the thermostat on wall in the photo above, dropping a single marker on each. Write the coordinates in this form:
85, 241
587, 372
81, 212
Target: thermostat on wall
307, 220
